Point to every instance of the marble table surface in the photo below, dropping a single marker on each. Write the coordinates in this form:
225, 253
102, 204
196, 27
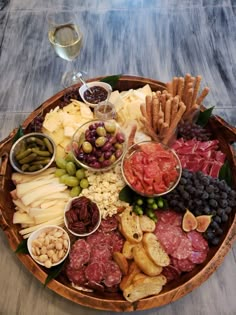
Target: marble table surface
150, 38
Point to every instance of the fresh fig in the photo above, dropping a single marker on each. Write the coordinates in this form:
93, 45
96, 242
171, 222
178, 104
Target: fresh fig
203, 221
189, 222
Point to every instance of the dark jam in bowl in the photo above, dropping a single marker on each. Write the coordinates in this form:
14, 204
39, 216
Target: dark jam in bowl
98, 95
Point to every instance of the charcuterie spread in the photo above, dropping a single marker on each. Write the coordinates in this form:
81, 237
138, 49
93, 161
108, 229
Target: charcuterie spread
155, 229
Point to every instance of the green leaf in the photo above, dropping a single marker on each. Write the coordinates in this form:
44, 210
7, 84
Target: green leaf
127, 194
22, 248
204, 116
225, 173
112, 80
19, 134
54, 272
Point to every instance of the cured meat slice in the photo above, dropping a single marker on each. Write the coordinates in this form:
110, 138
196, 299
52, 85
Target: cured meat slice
117, 241
170, 272
169, 217
76, 276
198, 257
97, 237
109, 224
101, 253
170, 238
184, 265
112, 275
198, 241
184, 249
80, 254
94, 272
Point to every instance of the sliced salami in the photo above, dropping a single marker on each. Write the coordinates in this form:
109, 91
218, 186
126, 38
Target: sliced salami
170, 238
112, 275
185, 265
184, 249
198, 241
94, 272
171, 273
109, 224
117, 241
101, 252
169, 217
76, 276
80, 254
198, 257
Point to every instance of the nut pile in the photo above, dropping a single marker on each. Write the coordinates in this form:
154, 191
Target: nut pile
50, 246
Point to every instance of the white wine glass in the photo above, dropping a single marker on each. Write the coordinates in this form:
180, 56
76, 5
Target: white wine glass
66, 38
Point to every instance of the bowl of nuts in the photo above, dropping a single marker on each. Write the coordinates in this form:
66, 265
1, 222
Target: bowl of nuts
98, 145
49, 245
82, 216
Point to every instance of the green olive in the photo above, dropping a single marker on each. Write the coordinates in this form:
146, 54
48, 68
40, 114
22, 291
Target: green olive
110, 126
87, 147
112, 158
101, 131
100, 141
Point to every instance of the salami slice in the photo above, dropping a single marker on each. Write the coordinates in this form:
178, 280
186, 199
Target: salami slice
94, 272
170, 238
109, 224
80, 254
185, 265
101, 253
112, 275
184, 249
171, 273
198, 241
169, 217
198, 257
117, 241
76, 276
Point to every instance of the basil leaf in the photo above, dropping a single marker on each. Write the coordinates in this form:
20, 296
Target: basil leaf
204, 116
112, 80
225, 173
22, 248
54, 272
127, 194
18, 134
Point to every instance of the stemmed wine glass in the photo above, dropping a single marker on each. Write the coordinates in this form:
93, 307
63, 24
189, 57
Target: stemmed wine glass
66, 38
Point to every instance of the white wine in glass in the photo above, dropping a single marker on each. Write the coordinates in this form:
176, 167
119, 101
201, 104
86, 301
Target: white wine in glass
66, 38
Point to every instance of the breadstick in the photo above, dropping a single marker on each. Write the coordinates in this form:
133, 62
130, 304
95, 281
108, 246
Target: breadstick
149, 130
164, 130
189, 115
174, 107
196, 89
168, 111
163, 101
164, 92
186, 80
180, 87
132, 135
188, 101
143, 110
203, 95
169, 86
149, 109
175, 85
155, 111
173, 126
160, 116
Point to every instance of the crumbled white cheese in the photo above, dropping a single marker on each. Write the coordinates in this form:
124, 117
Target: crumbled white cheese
104, 190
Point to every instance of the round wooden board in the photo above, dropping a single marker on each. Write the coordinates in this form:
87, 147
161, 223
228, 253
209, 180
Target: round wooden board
225, 133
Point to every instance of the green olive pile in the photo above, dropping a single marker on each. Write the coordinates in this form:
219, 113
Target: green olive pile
148, 206
71, 174
33, 153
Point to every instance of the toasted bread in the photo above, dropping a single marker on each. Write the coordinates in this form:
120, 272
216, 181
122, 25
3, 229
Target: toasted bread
121, 261
147, 224
154, 250
144, 287
130, 226
127, 280
127, 250
144, 262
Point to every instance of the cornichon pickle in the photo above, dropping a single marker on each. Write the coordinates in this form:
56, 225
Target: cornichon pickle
48, 145
34, 168
41, 153
36, 140
28, 158
23, 154
42, 162
25, 167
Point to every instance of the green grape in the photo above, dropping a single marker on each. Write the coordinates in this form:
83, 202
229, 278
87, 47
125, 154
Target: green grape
63, 178
160, 203
154, 206
70, 157
150, 213
71, 181
80, 173
139, 202
84, 183
59, 172
75, 191
70, 168
138, 210
61, 163
150, 201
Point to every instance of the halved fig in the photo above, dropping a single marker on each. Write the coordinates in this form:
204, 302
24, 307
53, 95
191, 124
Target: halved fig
189, 222
203, 221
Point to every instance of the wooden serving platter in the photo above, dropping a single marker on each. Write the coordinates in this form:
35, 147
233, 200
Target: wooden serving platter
174, 290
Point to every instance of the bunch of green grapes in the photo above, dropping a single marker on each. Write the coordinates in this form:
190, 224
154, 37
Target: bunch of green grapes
71, 174
148, 206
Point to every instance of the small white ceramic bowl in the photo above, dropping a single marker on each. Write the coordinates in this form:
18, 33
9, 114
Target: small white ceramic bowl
39, 241
84, 88
95, 226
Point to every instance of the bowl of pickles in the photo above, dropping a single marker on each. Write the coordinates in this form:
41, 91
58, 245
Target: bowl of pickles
32, 153
98, 145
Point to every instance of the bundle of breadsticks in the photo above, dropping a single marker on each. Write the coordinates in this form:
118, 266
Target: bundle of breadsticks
180, 102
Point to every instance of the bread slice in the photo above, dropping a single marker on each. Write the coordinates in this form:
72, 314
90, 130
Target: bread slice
147, 224
127, 250
154, 250
130, 226
121, 261
144, 262
132, 272
144, 287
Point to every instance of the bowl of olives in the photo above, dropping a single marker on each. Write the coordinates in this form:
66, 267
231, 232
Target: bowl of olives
98, 145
